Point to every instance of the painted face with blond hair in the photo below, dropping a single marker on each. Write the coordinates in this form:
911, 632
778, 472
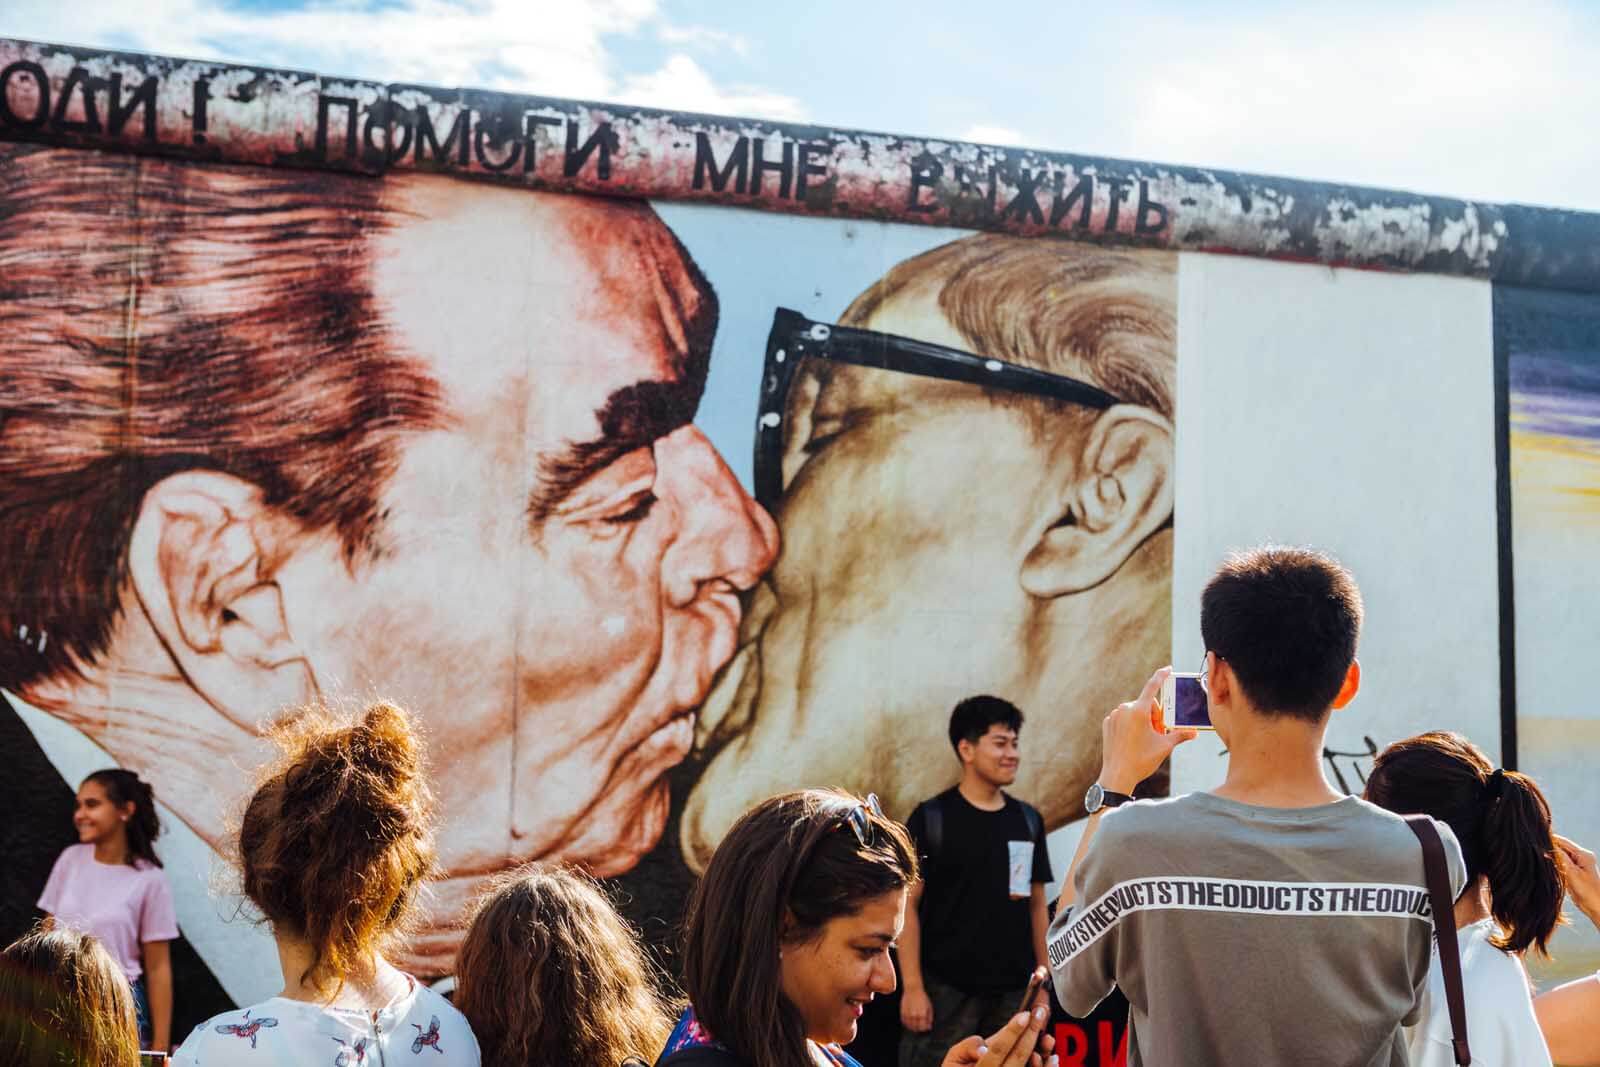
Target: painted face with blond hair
943, 538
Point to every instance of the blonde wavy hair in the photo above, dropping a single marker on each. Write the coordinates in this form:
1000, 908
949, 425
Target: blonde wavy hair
63, 1000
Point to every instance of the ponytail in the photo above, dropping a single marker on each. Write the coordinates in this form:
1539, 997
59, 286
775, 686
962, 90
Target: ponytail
1500, 818
143, 824
1518, 854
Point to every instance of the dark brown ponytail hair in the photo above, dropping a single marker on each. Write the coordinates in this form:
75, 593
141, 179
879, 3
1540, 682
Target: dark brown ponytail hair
791, 855
1500, 818
338, 837
144, 825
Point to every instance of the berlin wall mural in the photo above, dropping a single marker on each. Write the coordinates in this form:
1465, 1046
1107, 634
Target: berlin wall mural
648, 504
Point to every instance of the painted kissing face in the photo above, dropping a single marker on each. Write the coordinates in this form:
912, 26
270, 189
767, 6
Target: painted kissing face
560, 570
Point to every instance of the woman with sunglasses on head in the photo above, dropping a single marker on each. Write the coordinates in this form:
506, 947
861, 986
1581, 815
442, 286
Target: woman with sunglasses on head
1512, 901
111, 885
333, 847
550, 973
787, 938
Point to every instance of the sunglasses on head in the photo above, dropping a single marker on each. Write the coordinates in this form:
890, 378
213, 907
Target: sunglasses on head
794, 337
859, 817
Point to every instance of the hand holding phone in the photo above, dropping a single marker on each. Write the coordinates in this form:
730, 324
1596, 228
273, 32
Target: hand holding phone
1134, 741
1022, 1042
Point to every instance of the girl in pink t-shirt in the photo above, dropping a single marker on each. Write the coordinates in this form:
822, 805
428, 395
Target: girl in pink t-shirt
110, 884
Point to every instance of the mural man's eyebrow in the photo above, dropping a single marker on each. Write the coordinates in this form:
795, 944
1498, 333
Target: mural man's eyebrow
633, 417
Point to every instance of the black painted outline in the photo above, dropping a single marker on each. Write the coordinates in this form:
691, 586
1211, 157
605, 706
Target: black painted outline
1503, 530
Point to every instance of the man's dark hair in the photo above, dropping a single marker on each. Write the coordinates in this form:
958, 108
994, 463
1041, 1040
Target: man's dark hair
1286, 620
972, 718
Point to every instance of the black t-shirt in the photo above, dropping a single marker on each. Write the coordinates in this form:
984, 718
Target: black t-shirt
977, 932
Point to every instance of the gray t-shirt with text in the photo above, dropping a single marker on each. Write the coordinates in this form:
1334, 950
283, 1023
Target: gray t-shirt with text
1242, 934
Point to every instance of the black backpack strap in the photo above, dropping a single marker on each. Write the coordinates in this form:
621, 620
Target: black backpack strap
1444, 929
1035, 823
932, 826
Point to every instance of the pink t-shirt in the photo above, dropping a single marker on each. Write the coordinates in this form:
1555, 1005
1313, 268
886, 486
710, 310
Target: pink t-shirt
121, 905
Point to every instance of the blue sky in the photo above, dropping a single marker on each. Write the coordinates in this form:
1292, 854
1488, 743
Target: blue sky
1490, 101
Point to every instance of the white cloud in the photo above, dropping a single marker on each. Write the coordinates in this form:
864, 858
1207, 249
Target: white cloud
1001, 135
703, 37
549, 47
682, 85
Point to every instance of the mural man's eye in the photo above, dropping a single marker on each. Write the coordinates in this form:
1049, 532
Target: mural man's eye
637, 513
820, 440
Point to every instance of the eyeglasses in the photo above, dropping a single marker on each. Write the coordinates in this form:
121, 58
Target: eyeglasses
794, 337
859, 818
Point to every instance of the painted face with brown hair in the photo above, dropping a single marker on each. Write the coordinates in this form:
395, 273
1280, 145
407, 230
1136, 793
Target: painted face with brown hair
926, 557
558, 572
831, 977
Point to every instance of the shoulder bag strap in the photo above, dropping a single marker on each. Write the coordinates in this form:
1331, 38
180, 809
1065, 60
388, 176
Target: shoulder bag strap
1444, 928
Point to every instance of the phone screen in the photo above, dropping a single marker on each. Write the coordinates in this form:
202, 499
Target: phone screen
1190, 707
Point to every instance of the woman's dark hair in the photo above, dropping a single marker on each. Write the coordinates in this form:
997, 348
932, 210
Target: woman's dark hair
144, 825
790, 865
339, 835
549, 973
1500, 818
64, 1003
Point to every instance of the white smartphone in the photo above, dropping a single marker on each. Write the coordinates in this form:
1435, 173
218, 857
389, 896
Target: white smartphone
1184, 704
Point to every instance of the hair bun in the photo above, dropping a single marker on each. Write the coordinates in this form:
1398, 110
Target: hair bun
385, 742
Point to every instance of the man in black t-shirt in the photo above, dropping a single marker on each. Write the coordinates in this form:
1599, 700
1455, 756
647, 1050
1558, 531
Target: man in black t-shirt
975, 924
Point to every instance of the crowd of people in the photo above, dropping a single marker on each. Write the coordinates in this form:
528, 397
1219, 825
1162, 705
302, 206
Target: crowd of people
1270, 920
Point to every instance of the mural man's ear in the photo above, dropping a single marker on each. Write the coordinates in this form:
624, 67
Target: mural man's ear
1119, 493
201, 558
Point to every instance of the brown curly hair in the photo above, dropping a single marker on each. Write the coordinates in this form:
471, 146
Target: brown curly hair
339, 836
64, 1000
550, 973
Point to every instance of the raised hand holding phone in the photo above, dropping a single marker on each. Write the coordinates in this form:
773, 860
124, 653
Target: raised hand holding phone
1134, 740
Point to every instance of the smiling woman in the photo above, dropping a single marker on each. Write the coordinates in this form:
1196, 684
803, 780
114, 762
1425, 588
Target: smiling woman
788, 938
111, 885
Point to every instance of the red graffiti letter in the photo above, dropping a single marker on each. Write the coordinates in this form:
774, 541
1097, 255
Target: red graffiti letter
1072, 1044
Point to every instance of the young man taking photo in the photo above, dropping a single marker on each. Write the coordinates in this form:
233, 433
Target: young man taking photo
1272, 919
975, 924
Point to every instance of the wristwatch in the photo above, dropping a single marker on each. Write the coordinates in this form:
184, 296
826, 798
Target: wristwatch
1100, 797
